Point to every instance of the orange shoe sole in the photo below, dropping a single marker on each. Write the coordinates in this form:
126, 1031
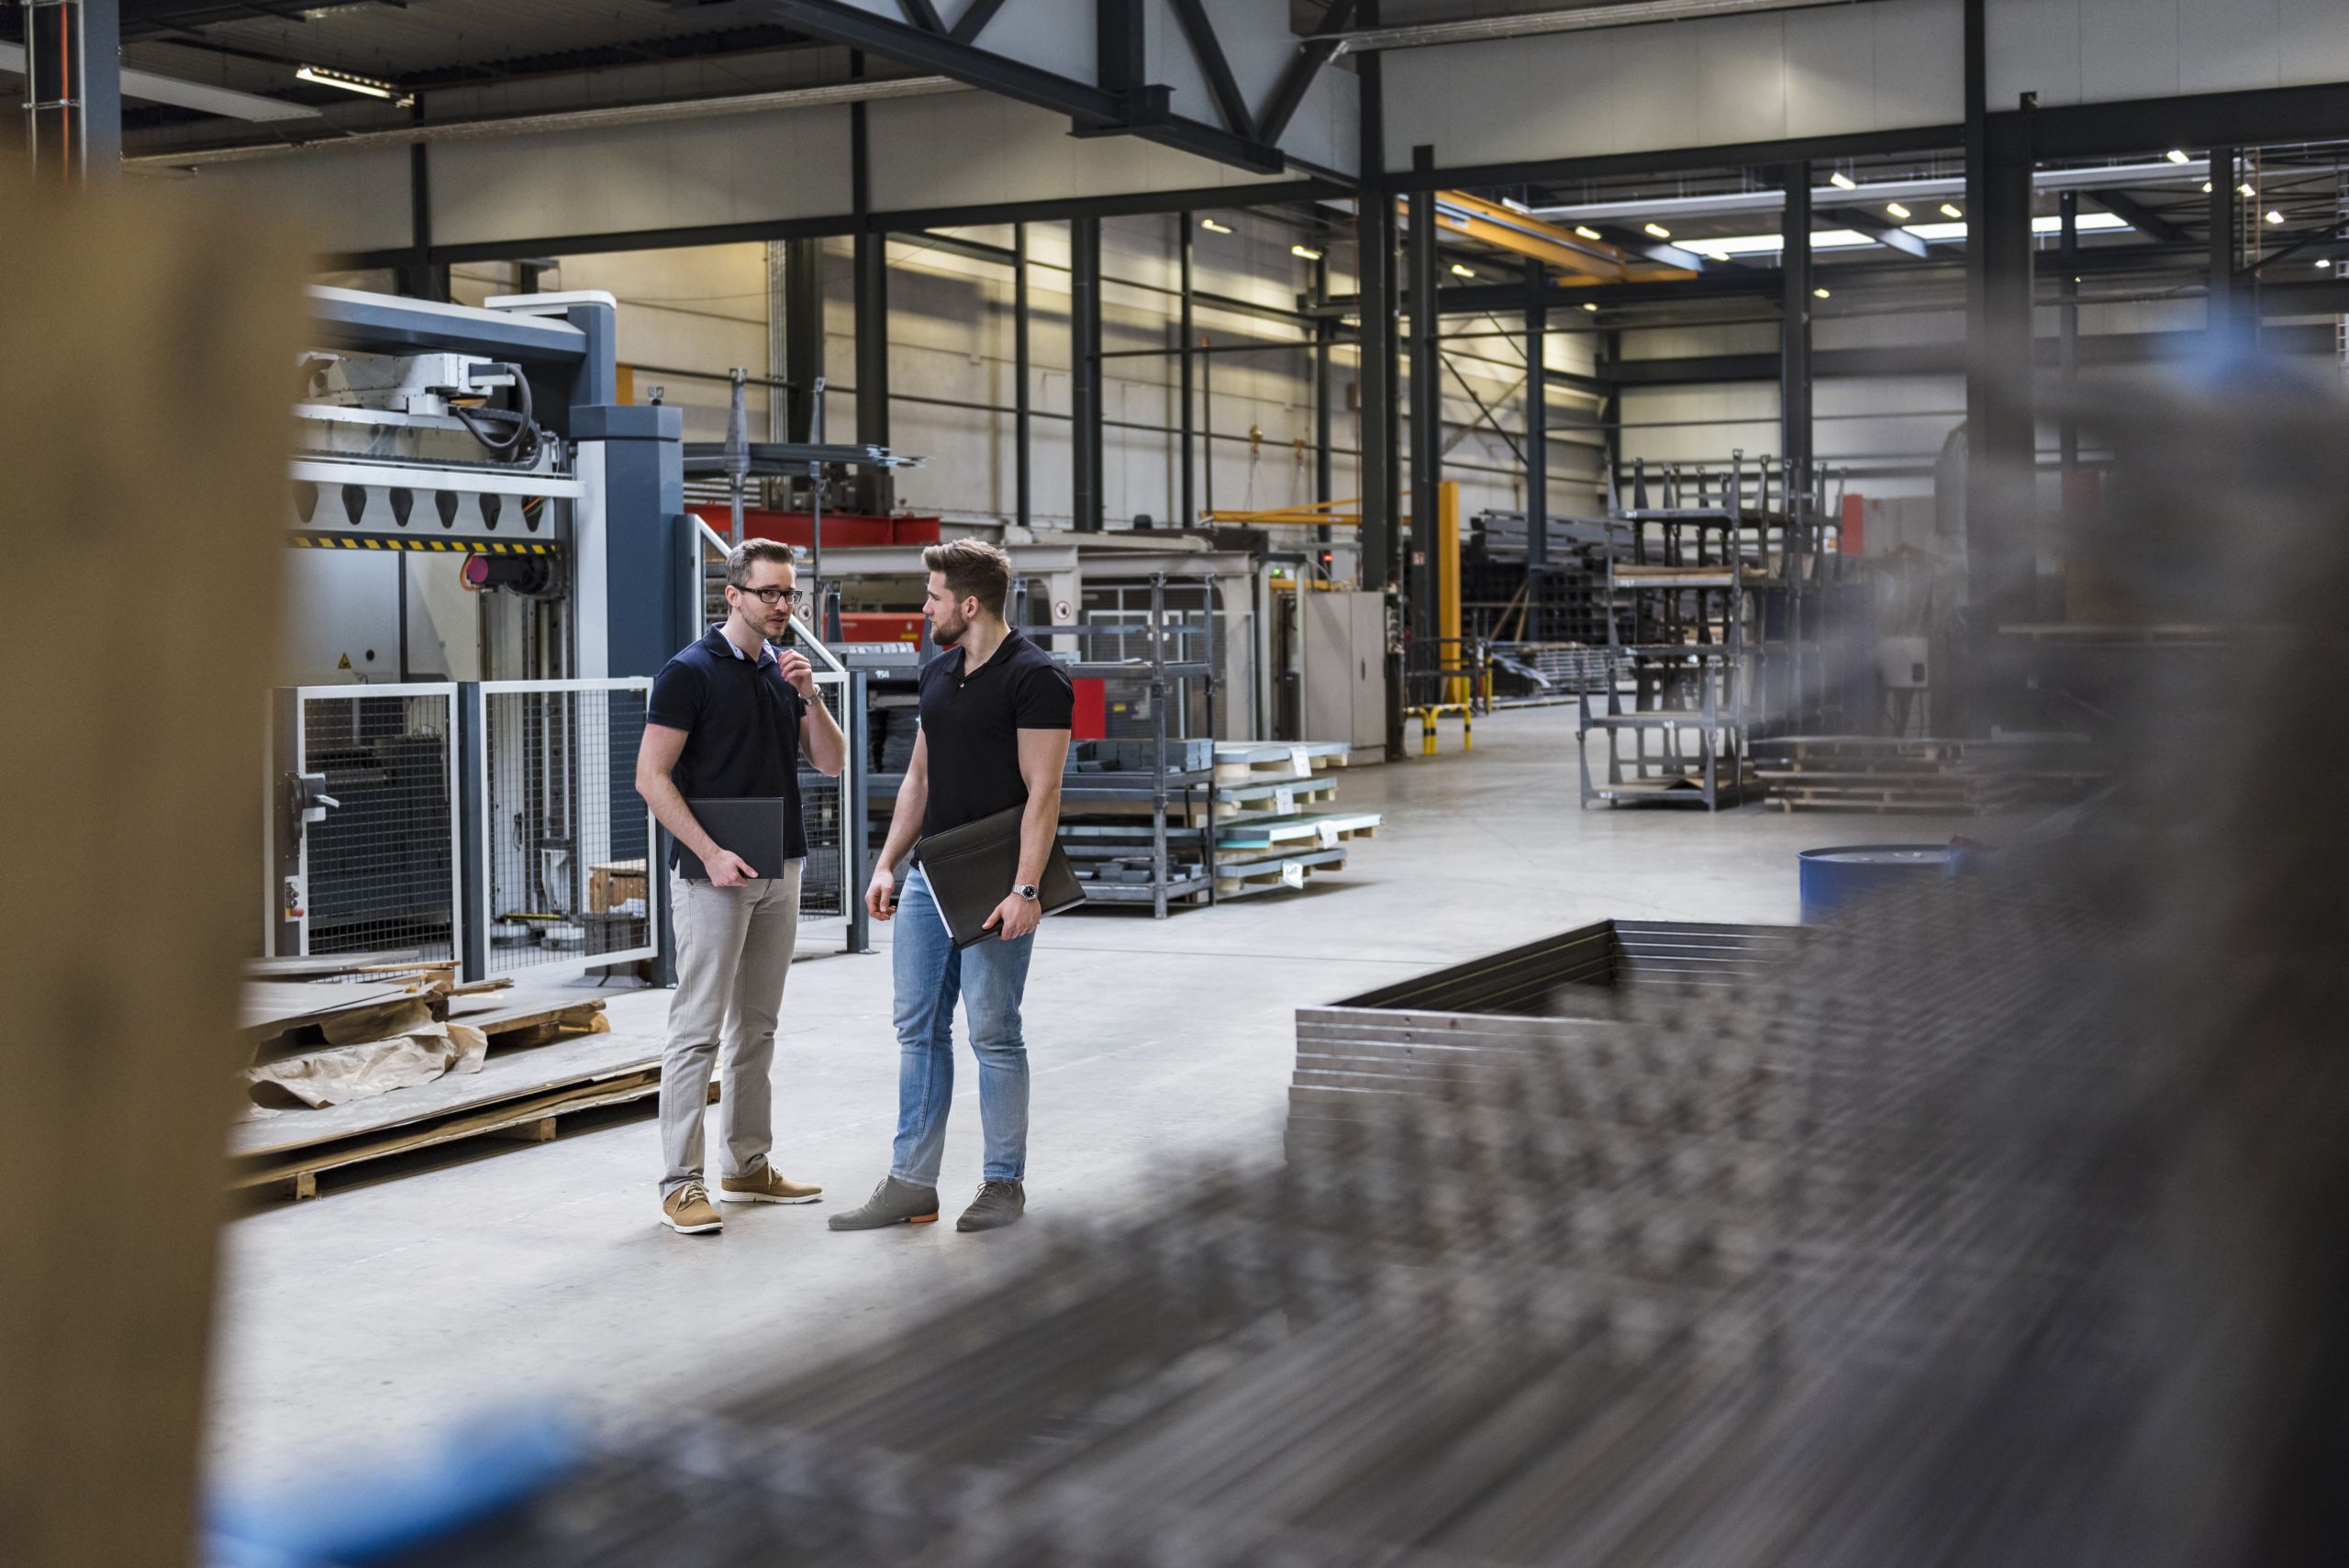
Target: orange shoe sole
921, 1218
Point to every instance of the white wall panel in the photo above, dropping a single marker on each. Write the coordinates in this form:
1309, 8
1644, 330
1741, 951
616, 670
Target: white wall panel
353, 200
2128, 50
2230, 48
792, 163
1827, 61
2315, 36
2090, 51
2034, 47
1715, 80
974, 149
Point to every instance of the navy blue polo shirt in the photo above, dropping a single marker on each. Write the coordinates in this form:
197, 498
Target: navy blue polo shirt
742, 724
972, 724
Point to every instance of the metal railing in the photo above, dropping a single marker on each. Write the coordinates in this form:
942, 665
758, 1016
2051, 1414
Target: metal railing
563, 840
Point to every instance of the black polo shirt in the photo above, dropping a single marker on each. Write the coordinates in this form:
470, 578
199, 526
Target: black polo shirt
972, 723
742, 724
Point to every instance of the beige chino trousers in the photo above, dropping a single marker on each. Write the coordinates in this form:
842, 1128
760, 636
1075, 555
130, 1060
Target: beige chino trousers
734, 947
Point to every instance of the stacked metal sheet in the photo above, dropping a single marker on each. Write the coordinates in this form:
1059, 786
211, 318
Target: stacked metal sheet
2000, 1220
1845, 1259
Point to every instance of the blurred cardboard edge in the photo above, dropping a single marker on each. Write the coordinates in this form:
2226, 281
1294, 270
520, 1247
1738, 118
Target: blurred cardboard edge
144, 422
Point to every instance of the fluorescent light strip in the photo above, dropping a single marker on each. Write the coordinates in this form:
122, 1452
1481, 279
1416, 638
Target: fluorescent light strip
1850, 238
1945, 188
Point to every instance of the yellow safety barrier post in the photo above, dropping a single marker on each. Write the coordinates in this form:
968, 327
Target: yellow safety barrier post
1428, 713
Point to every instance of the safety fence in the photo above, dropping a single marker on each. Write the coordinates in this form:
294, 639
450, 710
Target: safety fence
497, 823
565, 840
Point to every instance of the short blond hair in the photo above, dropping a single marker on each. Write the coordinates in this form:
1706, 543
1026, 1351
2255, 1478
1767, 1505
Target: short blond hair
973, 568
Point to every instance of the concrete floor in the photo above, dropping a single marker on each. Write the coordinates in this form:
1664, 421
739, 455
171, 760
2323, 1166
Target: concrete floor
376, 1316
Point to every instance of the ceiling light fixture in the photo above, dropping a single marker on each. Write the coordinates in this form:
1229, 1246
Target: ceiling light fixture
1460, 272
1590, 305
2206, 188
1950, 209
1307, 252
1658, 230
1820, 292
2176, 155
1896, 210
1212, 227
326, 77
2273, 216
2245, 190
1841, 181
2322, 263
1587, 232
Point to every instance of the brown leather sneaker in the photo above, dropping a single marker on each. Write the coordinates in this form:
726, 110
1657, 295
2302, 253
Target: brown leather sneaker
688, 1212
766, 1184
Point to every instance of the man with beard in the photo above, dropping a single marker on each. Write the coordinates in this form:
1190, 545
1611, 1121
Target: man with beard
995, 711
728, 720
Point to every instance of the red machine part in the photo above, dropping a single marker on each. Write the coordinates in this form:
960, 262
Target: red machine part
1091, 721
841, 529
873, 626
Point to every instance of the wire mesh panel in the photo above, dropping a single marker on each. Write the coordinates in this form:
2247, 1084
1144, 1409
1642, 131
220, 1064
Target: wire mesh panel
824, 892
566, 838
379, 869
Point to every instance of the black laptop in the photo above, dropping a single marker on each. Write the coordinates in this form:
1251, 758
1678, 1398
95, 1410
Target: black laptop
971, 869
757, 827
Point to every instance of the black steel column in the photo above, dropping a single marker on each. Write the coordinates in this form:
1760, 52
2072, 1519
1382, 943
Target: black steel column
803, 335
1427, 424
1537, 450
873, 339
2001, 474
1084, 374
1020, 422
871, 261
1325, 337
416, 277
2226, 219
1183, 334
1375, 228
1794, 329
472, 836
1373, 369
857, 792
2067, 206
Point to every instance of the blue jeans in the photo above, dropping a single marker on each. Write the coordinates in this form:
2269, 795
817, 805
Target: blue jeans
929, 973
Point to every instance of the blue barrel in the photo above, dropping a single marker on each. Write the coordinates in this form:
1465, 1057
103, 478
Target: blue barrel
1833, 879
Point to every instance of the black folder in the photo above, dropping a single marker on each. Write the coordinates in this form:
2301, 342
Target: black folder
757, 827
971, 869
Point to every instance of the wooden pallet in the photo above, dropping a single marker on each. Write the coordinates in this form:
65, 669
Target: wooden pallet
1290, 872
1324, 830
520, 1095
1301, 759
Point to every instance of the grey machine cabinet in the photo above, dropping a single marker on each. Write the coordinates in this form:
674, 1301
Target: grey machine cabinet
1345, 674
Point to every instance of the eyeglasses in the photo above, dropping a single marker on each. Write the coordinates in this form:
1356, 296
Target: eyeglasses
770, 597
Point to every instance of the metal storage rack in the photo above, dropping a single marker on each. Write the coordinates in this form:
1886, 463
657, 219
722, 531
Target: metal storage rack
1694, 577
1162, 658
1172, 655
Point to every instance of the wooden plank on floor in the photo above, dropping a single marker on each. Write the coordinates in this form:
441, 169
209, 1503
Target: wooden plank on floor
505, 1077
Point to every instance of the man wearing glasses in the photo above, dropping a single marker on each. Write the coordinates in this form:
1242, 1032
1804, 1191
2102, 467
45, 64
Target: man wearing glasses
729, 719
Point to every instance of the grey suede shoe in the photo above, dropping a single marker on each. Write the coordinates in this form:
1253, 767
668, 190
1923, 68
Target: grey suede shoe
893, 1203
998, 1204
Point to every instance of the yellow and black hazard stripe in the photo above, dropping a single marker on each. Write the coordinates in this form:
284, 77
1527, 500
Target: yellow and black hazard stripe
440, 546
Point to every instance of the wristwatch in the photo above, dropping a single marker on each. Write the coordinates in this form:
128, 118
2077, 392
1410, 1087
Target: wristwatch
1026, 893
